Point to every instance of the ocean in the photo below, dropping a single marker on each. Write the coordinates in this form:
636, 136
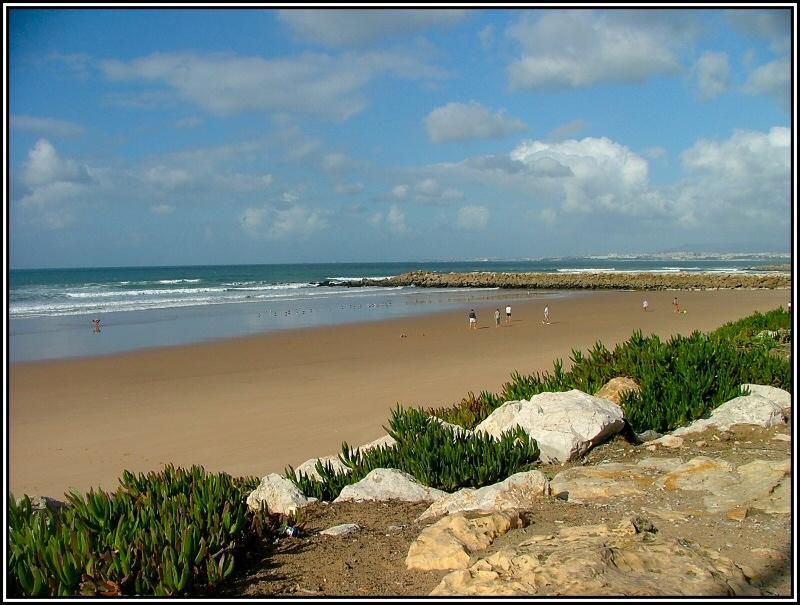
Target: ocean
51, 311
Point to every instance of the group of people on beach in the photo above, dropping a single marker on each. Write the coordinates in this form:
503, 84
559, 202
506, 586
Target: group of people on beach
473, 317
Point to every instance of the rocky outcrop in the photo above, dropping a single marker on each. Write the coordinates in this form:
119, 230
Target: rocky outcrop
309, 467
615, 388
450, 542
779, 396
518, 492
597, 560
581, 483
565, 425
279, 494
574, 281
747, 409
388, 484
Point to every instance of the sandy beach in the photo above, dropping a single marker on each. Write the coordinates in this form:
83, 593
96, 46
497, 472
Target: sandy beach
253, 405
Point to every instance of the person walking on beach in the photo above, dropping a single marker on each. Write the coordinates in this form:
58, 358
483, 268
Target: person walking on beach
546, 315
508, 314
473, 320
676, 307
96, 323
497, 317
644, 305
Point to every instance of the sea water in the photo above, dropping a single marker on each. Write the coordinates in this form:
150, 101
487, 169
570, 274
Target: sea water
51, 311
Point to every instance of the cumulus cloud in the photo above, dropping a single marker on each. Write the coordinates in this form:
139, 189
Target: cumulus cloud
349, 28
46, 126
468, 121
772, 79
473, 218
713, 71
297, 222
226, 83
45, 166
580, 48
590, 174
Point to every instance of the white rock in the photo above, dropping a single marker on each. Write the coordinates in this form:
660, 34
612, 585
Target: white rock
669, 441
279, 494
517, 492
779, 396
309, 467
386, 440
388, 484
565, 425
341, 530
747, 409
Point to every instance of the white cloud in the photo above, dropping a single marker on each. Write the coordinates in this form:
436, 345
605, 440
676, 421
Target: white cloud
579, 48
429, 190
587, 175
473, 218
166, 177
45, 166
297, 222
464, 122
773, 24
396, 220
46, 126
400, 191
713, 71
347, 28
314, 83
772, 79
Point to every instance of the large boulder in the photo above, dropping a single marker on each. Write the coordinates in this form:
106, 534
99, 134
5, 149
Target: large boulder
518, 492
779, 396
746, 409
279, 494
565, 425
631, 560
615, 388
761, 485
384, 484
449, 543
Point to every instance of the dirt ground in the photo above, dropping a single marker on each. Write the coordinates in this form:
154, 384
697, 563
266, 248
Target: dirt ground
371, 562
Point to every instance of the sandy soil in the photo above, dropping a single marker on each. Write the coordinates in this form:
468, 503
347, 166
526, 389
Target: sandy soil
250, 406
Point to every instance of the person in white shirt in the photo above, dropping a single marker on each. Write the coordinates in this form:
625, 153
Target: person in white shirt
508, 314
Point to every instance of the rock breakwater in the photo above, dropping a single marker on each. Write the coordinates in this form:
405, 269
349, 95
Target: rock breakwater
578, 281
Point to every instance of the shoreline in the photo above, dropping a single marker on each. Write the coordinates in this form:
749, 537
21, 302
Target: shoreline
255, 404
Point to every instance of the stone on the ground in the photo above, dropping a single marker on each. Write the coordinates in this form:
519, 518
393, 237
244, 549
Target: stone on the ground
596, 560
648, 435
615, 388
700, 474
663, 465
309, 467
449, 543
670, 441
746, 409
341, 530
384, 484
565, 425
517, 492
279, 494
581, 483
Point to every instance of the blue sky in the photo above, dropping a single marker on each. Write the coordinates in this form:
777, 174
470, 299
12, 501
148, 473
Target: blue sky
210, 136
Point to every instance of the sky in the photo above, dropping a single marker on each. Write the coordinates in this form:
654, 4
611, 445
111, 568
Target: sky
261, 135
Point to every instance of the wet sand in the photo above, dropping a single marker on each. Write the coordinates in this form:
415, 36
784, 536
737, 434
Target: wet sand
253, 405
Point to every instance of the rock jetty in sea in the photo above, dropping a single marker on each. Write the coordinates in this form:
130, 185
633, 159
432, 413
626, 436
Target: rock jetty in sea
577, 281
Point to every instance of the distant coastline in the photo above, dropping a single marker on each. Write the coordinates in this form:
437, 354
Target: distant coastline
600, 280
